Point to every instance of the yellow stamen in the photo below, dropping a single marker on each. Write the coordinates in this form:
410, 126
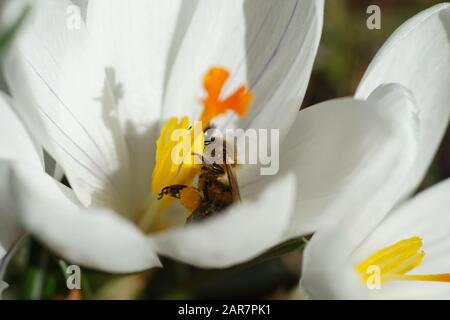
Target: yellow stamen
169, 171
393, 262
214, 106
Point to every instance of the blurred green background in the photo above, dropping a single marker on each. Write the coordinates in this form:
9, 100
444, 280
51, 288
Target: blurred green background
346, 50
348, 46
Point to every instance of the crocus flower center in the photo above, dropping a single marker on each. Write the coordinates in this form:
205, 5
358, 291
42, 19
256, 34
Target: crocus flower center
182, 172
395, 261
174, 179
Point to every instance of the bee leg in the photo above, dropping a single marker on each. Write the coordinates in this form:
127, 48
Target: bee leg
173, 191
189, 197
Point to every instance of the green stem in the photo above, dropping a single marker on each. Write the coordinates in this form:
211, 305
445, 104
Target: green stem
86, 287
37, 284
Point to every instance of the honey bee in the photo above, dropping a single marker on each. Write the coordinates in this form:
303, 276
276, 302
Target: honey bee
216, 190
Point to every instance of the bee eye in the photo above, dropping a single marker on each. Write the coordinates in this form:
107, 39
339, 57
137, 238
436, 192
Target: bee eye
210, 141
217, 169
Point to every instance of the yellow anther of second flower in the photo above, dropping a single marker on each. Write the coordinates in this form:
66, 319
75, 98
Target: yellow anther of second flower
395, 261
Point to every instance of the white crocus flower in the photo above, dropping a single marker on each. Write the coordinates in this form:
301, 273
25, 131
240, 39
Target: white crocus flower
365, 256
102, 130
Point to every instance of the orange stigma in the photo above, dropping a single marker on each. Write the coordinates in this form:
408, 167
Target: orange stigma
214, 106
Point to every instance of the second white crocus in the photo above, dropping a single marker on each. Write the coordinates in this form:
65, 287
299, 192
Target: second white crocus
404, 256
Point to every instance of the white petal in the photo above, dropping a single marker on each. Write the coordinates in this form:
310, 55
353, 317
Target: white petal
326, 272
426, 216
269, 44
137, 40
241, 233
344, 152
93, 238
60, 86
15, 146
366, 196
15, 142
82, 4
418, 56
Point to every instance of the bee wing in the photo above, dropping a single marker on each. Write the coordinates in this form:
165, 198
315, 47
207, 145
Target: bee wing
232, 181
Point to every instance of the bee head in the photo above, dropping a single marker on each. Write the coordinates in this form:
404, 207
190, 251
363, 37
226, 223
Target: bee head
215, 169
